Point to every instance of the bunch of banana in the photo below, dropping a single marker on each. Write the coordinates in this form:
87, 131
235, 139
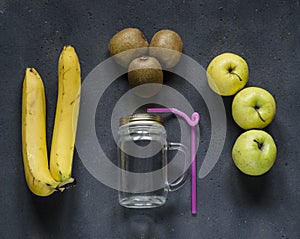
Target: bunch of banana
40, 180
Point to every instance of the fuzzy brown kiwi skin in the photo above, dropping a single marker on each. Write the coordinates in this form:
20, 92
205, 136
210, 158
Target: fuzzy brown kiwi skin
145, 70
128, 39
168, 40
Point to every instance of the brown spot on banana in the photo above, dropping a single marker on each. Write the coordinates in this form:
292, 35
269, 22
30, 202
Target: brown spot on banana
77, 98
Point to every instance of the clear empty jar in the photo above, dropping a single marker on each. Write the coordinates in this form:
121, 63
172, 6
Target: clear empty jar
143, 159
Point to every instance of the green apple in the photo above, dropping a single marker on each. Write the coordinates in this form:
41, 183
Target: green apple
254, 152
253, 108
227, 74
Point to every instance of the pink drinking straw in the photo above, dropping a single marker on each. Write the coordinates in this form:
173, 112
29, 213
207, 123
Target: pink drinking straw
193, 121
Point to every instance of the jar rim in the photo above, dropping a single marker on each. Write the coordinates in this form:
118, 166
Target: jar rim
140, 117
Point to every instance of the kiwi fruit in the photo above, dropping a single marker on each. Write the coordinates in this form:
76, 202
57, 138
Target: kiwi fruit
131, 43
172, 46
143, 71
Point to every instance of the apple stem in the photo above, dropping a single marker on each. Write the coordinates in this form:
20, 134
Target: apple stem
236, 75
256, 108
260, 145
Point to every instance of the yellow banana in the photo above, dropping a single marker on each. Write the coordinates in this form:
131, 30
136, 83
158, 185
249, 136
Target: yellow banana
35, 159
67, 109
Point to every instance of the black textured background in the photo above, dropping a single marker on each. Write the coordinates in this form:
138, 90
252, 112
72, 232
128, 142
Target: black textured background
230, 204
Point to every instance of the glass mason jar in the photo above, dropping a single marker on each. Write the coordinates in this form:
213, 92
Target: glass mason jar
142, 158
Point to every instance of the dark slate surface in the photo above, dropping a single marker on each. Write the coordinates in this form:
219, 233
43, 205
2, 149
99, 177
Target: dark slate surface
230, 204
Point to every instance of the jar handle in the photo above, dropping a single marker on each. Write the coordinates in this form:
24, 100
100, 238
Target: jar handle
182, 179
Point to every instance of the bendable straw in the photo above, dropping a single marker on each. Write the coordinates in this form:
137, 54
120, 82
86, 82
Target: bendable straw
193, 121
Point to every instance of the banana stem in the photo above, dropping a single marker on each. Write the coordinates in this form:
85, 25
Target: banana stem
69, 183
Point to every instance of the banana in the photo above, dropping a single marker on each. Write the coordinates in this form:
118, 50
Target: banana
35, 159
66, 117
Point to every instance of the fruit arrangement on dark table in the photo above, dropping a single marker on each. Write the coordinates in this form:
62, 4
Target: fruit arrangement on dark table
250, 56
